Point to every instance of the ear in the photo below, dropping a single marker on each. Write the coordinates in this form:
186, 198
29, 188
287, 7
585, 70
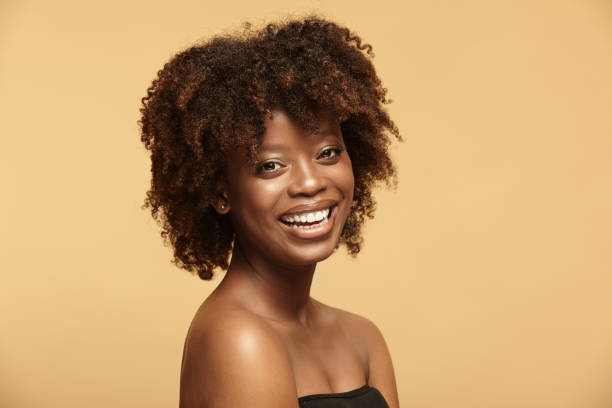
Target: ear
221, 204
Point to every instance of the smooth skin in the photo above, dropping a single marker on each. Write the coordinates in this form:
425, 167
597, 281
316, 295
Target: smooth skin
260, 340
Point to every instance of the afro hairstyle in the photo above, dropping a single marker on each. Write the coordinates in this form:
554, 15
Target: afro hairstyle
213, 97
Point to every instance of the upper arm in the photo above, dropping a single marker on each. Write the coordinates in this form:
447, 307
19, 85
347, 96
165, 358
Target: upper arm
236, 362
381, 373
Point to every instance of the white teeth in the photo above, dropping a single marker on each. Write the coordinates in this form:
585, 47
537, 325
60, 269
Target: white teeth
310, 226
314, 216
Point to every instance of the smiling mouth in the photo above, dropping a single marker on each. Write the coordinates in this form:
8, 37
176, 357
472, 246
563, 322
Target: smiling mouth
308, 220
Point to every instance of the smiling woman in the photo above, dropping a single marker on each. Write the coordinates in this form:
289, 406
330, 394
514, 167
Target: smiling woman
291, 205
265, 147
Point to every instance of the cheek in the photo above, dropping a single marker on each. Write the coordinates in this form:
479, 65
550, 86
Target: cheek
345, 178
258, 198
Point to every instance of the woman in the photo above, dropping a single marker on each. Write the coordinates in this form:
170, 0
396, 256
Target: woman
265, 146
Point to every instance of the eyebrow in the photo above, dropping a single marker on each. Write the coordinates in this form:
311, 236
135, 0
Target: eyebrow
267, 147
320, 135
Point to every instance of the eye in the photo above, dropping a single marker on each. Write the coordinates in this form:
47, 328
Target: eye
268, 167
331, 152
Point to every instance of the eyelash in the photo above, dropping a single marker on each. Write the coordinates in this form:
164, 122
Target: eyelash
337, 151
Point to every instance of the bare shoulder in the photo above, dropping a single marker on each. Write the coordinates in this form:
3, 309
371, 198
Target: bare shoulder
233, 359
359, 326
381, 373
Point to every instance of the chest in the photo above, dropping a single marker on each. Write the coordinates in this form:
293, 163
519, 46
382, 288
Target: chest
326, 361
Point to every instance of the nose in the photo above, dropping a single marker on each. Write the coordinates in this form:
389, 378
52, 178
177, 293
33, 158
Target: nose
307, 179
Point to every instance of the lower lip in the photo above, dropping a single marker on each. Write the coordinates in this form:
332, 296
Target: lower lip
313, 233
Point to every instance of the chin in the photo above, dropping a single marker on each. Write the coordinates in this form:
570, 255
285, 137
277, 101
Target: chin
300, 255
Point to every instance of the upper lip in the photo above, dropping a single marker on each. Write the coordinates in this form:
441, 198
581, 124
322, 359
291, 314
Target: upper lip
309, 207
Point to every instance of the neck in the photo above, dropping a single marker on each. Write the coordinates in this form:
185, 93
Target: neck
276, 292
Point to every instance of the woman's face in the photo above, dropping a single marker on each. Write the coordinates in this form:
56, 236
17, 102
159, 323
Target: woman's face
290, 209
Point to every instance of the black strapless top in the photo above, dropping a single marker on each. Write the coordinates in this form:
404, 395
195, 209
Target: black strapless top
362, 397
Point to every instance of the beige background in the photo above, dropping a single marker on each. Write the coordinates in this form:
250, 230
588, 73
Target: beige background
488, 270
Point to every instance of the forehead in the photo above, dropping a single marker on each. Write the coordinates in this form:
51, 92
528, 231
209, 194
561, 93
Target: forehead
282, 133
281, 128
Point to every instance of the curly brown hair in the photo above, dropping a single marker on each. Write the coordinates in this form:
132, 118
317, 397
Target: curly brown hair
213, 97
